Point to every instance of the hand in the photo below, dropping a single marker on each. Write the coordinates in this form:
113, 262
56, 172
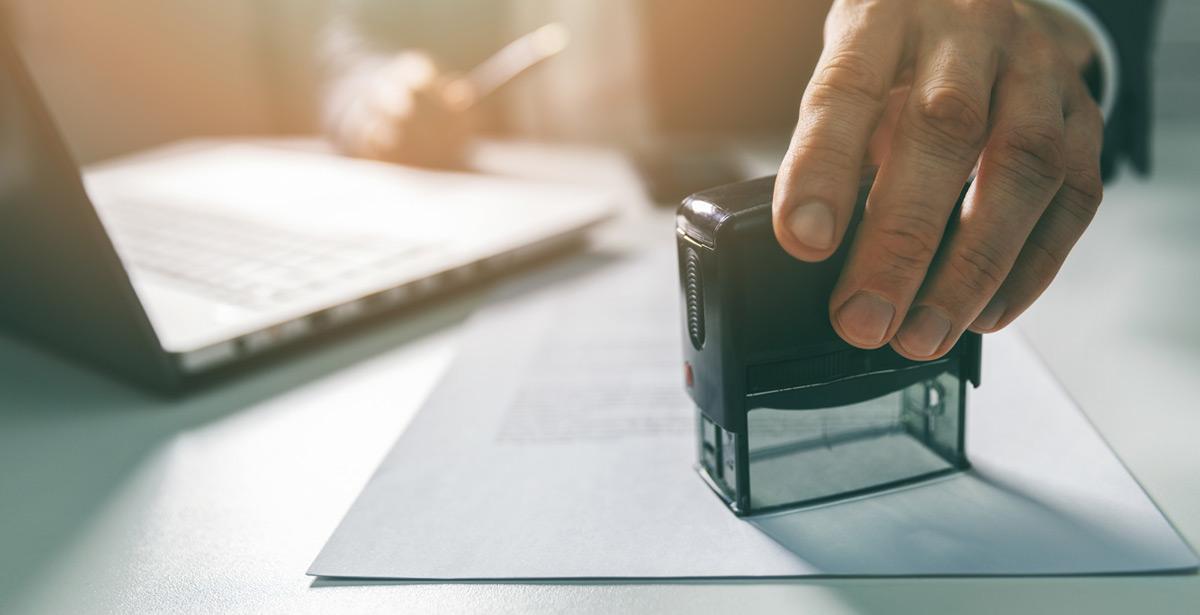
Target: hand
409, 113
958, 85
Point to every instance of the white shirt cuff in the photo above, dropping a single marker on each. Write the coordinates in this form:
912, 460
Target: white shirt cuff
1106, 50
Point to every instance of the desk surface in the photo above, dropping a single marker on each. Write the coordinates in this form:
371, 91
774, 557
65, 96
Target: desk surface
115, 501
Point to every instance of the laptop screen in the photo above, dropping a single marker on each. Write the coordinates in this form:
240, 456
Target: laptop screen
62, 282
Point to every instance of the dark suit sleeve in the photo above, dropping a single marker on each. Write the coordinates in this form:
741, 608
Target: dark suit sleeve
1132, 26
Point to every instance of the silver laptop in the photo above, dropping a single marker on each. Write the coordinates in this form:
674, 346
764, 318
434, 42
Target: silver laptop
173, 264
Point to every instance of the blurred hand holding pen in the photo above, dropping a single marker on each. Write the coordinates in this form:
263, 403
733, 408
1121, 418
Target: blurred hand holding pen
409, 112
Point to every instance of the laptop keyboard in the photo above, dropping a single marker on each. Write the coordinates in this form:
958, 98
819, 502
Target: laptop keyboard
239, 260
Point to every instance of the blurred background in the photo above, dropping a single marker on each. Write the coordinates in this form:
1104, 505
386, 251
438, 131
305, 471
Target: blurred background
123, 75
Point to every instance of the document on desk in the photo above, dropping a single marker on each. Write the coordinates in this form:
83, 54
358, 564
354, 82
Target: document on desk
560, 445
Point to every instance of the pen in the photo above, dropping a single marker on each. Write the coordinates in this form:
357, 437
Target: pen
506, 64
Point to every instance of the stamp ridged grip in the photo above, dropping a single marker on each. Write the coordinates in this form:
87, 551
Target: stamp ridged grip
694, 297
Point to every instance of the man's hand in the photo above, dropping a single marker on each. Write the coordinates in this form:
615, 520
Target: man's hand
933, 88
408, 113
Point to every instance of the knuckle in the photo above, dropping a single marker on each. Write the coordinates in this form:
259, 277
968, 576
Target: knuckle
978, 267
952, 116
1033, 55
908, 242
1037, 49
817, 154
1034, 154
1082, 193
1086, 186
1043, 260
848, 76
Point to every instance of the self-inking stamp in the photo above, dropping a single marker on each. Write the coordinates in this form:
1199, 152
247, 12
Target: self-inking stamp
789, 415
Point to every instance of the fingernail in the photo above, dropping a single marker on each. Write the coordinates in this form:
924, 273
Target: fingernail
990, 316
865, 318
812, 225
923, 331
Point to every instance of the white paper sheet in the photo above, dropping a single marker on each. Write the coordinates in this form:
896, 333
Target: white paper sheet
561, 445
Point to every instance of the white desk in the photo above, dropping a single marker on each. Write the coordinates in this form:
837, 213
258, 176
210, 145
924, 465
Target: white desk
114, 501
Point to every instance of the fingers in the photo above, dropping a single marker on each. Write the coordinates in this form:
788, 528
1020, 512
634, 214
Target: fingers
405, 111
1021, 169
988, 91
1061, 225
437, 133
430, 131
880, 144
818, 180
940, 133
